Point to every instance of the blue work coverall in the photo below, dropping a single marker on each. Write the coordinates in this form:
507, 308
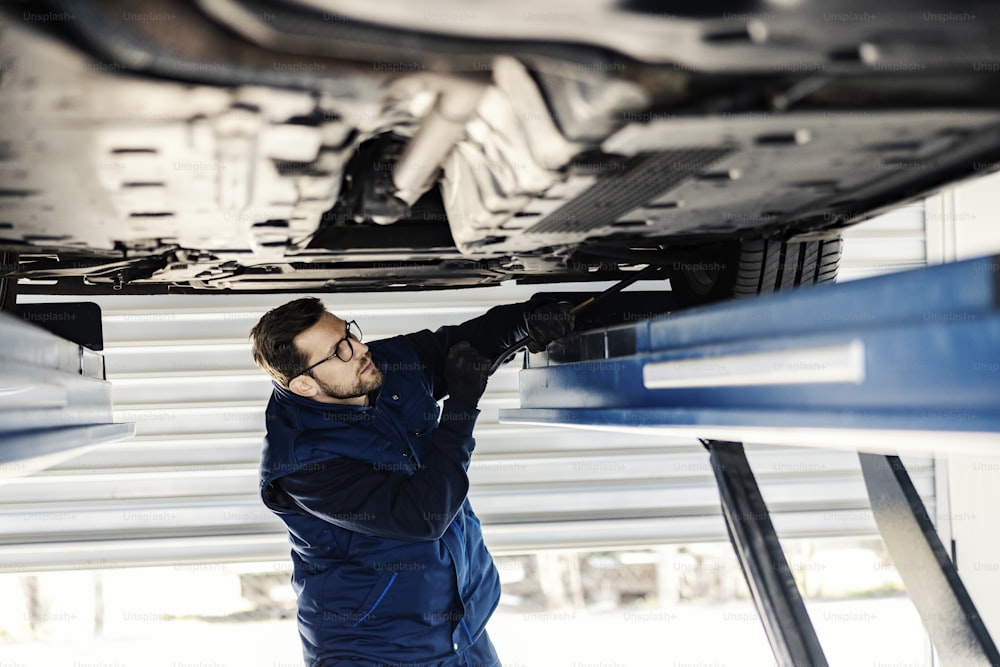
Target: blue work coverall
389, 564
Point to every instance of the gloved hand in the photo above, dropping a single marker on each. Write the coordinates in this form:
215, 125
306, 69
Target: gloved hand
548, 322
466, 372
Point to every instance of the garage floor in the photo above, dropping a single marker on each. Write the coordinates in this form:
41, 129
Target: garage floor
853, 632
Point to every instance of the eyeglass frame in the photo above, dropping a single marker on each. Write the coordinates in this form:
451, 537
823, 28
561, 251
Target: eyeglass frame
350, 346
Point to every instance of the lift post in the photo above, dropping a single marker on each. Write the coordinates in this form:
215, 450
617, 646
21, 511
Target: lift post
903, 363
765, 568
930, 576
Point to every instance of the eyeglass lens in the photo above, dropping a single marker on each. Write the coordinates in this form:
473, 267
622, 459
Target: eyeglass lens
345, 351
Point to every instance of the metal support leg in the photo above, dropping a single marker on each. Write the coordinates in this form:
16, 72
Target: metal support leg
786, 622
931, 579
8, 286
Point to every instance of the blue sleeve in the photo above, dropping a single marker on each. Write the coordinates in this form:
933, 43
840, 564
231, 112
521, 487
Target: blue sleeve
359, 496
490, 333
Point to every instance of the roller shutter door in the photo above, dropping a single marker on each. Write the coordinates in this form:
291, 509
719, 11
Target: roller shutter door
184, 489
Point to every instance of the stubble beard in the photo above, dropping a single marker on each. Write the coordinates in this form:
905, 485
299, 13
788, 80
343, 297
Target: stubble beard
360, 386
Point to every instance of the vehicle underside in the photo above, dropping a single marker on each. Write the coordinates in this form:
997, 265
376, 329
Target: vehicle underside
233, 145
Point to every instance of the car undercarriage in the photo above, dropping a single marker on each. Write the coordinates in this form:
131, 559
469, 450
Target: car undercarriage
227, 145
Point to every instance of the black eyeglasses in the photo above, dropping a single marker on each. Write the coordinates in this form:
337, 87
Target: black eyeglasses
344, 349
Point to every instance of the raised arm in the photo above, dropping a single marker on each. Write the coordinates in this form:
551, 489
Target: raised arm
490, 334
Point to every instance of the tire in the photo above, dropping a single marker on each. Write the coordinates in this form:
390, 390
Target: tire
761, 266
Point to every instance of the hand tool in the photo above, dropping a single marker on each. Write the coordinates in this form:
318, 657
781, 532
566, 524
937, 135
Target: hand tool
583, 305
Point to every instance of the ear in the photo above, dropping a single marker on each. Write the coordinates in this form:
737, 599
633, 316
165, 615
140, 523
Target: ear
303, 385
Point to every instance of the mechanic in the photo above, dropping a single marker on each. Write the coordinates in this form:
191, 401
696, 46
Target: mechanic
370, 477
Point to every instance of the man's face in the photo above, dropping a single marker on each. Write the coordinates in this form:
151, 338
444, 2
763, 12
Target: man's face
336, 381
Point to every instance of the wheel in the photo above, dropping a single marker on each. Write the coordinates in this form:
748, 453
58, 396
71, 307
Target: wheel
761, 266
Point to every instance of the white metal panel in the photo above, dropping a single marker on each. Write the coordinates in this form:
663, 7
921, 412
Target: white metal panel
185, 488
53, 399
895, 241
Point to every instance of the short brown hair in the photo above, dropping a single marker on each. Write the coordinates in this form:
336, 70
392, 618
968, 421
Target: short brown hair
272, 338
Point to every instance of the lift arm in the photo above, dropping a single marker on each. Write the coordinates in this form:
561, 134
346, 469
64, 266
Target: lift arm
885, 365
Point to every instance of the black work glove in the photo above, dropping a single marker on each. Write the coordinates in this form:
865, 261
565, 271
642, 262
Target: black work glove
546, 323
466, 372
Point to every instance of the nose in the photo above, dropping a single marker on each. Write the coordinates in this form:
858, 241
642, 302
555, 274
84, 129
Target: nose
360, 349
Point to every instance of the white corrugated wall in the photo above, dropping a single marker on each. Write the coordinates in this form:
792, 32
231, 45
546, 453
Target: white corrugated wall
185, 488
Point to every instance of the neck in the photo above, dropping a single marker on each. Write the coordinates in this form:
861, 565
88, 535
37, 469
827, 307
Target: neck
361, 401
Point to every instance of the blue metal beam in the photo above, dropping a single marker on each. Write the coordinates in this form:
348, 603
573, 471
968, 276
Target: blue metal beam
910, 352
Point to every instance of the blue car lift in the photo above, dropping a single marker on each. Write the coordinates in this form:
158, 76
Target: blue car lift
55, 400
885, 365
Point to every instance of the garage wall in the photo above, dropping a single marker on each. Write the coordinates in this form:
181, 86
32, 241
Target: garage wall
896, 241
964, 223
184, 489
